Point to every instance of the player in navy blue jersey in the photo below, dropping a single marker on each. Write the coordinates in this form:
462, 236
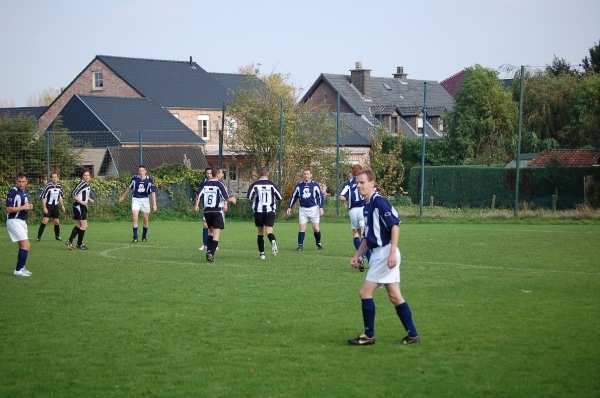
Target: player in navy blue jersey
17, 209
143, 188
310, 208
207, 176
81, 198
264, 195
214, 197
355, 206
382, 230
51, 196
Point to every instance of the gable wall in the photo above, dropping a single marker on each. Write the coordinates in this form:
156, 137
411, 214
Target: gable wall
114, 86
318, 97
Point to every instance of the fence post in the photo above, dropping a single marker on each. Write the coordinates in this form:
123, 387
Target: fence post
141, 150
431, 201
48, 155
553, 202
493, 201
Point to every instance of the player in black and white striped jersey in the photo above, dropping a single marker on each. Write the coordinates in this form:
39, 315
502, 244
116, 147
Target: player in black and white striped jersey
51, 196
81, 196
264, 193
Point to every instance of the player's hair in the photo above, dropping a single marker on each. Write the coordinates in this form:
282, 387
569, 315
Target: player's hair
370, 175
54, 172
208, 169
356, 168
307, 168
85, 171
264, 171
142, 166
215, 171
20, 175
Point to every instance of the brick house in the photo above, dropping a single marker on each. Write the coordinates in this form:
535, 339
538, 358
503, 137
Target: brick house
368, 103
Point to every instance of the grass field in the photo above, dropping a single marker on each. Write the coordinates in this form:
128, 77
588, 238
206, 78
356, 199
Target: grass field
503, 309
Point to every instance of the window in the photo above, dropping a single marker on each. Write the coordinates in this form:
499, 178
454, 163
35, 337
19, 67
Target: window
98, 81
394, 124
203, 126
233, 173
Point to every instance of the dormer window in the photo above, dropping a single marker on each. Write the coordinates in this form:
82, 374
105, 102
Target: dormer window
98, 81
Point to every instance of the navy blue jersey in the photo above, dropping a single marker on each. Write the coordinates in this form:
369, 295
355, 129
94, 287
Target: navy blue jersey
81, 191
16, 198
350, 192
380, 217
309, 194
213, 195
263, 194
141, 188
52, 193
345, 189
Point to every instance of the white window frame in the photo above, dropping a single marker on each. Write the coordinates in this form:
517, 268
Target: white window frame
203, 126
95, 80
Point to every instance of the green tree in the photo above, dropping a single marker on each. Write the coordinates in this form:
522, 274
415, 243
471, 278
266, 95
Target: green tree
43, 98
584, 126
591, 64
385, 161
254, 129
484, 117
560, 66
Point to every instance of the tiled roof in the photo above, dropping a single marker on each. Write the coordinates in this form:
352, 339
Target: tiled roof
172, 84
35, 111
452, 83
568, 157
122, 119
127, 159
233, 81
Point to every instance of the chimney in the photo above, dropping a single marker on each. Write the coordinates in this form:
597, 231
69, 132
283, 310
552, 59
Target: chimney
361, 79
190, 61
400, 75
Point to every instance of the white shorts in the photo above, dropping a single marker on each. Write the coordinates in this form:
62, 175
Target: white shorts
357, 218
140, 204
306, 214
378, 269
17, 229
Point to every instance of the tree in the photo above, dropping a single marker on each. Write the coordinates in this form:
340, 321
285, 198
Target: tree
254, 128
591, 64
385, 161
484, 117
560, 66
43, 98
584, 126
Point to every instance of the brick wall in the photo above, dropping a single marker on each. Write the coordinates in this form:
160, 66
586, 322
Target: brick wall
325, 92
189, 117
113, 86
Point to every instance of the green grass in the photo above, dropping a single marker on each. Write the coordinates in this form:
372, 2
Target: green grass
503, 309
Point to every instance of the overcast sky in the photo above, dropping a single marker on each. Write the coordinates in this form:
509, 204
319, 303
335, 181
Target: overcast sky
46, 44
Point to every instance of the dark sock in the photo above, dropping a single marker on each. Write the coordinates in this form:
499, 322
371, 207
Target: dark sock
74, 233
213, 246
356, 243
57, 230
80, 237
205, 236
405, 315
144, 232
301, 238
368, 310
41, 230
260, 240
209, 243
317, 237
271, 237
21, 258
135, 233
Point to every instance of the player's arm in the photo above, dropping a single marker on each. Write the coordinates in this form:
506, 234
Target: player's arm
61, 200
321, 200
395, 232
359, 252
127, 190
198, 197
16, 209
295, 197
44, 205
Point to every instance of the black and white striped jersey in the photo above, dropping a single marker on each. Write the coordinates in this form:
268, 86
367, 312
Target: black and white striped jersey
264, 194
52, 193
213, 195
81, 191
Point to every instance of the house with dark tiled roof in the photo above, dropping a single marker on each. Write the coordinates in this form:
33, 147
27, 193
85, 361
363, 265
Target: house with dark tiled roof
567, 157
121, 96
35, 111
370, 103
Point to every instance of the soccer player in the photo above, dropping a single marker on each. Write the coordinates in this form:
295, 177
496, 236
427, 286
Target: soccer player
214, 196
207, 176
311, 204
355, 206
382, 229
17, 209
263, 193
81, 197
51, 196
143, 188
